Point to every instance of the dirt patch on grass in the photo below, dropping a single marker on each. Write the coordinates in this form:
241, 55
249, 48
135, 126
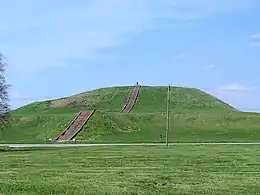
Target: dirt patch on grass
75, 101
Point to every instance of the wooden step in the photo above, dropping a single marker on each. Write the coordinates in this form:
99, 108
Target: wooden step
132, 99
76, 125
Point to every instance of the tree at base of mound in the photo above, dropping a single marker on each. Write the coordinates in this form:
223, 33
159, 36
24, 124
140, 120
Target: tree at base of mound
4, 98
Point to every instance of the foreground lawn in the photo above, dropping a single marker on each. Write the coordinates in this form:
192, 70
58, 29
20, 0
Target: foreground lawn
132, 170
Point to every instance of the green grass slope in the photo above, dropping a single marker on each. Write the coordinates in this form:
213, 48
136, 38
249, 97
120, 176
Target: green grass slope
194, 117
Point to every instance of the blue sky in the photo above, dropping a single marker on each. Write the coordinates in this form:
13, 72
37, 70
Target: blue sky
59, 48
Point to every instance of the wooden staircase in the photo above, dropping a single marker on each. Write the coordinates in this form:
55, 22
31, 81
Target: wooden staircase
131, 99
76, 125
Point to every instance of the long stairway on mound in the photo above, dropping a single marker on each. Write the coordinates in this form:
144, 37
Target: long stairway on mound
131, 99
76, 125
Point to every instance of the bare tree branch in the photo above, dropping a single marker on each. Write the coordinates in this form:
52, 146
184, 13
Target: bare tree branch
4, 98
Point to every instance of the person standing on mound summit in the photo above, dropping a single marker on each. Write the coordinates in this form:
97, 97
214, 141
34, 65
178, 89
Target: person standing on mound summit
137, 83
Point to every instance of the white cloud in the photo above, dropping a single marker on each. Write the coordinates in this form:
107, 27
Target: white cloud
244, 98
255, 44
222, 45
256, 36
48, 33
17, 99
14, 94
179, 56
211, 66
255, 40
238, 87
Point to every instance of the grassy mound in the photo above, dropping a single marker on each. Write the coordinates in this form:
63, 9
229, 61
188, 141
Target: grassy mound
195, 116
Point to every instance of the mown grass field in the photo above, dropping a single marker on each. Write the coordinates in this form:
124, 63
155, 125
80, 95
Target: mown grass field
132, 170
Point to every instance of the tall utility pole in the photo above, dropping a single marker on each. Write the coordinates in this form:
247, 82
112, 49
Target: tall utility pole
168, 114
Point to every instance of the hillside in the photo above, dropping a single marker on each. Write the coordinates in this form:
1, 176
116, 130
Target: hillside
151, 100
195, 116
